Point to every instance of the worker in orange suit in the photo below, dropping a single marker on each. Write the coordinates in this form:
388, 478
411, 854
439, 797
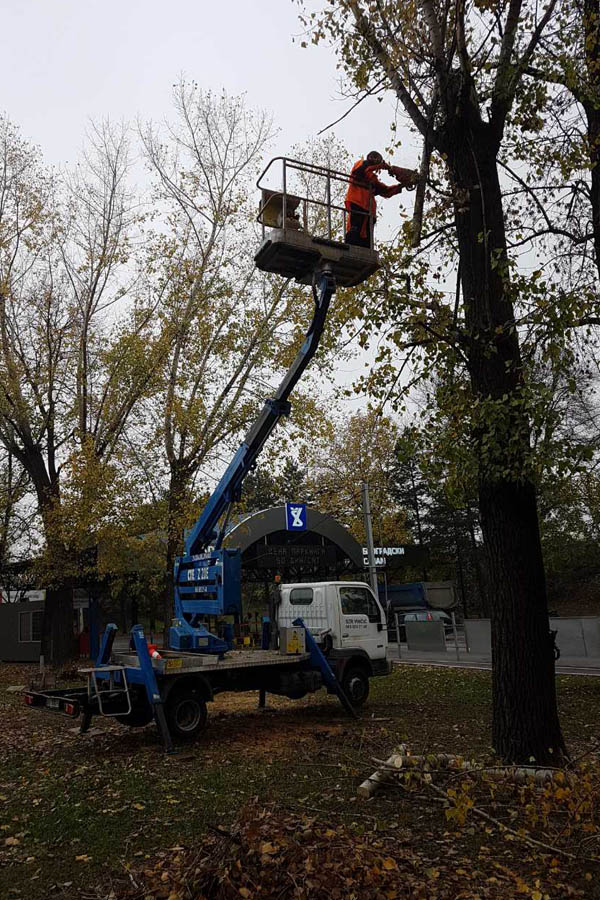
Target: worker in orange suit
364, 186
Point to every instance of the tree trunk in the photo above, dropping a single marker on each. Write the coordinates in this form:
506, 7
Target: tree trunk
481, 590
525, 723
123, 595
459, 566
58, 639
593, 129
178, 484
591, 13
525, 717
417, 512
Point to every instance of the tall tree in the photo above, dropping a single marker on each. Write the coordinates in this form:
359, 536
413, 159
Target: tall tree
457, 71
231, 328
268, 486
16, 532
441, 514
69, 374
361, 449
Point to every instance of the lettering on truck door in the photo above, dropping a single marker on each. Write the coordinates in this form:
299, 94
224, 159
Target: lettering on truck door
360, 616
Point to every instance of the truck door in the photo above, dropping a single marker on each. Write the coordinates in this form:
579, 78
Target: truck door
361, 621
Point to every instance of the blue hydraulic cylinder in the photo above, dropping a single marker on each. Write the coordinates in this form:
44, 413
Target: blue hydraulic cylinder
319, 661
106, 646
151, 685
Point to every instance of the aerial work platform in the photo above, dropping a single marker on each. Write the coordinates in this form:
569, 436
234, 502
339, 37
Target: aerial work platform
304, 230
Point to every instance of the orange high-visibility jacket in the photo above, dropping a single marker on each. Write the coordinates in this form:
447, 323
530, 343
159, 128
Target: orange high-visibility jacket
364, 185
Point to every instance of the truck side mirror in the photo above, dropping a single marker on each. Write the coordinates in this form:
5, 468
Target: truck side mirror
380, 626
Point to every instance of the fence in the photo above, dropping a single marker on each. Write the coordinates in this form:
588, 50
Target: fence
576, 638
431, 637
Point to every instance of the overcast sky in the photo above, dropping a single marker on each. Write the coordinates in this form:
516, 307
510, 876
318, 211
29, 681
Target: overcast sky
66, 61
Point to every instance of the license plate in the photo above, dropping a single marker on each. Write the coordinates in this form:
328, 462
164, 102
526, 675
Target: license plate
53, 703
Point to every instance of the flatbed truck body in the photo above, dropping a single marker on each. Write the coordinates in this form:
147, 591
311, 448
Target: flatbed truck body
341, 648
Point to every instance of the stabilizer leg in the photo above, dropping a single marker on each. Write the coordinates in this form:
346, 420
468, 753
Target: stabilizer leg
151, 685
86, 721
317, 659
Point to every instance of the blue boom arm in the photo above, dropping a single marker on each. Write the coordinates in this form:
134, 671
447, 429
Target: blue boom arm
207, 578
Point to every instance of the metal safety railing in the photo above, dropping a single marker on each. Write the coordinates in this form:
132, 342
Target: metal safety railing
300, 210
452, 630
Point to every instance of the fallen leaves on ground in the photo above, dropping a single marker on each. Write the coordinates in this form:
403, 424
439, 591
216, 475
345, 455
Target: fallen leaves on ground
270, 855
115, 801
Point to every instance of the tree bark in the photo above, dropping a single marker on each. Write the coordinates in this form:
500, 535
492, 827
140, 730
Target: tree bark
460, 570
525, 722
58, 639
591, 103
593, 131
525, 717
475, 552
417, 512
178, 486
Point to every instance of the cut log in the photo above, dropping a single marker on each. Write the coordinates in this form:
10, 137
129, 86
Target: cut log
380, 777
401, 760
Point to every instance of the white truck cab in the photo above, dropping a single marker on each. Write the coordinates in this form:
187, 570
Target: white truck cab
347, 620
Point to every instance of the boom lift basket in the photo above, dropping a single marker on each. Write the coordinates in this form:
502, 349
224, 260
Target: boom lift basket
304, 231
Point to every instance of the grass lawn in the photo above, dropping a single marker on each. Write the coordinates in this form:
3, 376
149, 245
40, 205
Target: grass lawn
98, 816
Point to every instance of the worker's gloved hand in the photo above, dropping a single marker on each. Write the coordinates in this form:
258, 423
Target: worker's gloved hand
394, 189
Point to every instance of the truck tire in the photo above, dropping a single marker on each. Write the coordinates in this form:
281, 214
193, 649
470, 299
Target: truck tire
186, 713
355, 684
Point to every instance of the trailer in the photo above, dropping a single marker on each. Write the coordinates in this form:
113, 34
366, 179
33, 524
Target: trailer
338, 630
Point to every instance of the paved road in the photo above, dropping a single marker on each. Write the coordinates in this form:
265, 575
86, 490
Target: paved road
448, 660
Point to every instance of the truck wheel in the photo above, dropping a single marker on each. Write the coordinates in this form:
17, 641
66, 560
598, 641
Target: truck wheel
355, 684
186, 714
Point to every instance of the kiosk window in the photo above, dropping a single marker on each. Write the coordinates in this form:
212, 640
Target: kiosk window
30, 626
